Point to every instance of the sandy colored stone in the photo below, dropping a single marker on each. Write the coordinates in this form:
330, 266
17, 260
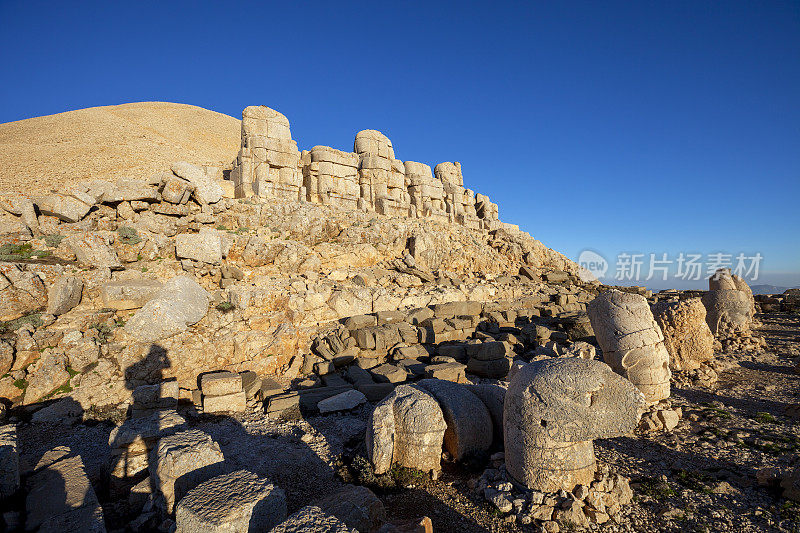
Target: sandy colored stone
632, 342
687, 336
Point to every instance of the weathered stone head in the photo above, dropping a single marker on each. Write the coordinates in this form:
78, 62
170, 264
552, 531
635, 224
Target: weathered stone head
373, 142
406, 428
552, 411
729, 303
632, 342
687, 337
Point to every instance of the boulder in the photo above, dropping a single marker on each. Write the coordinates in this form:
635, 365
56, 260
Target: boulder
632, 342
207, 189
21, 292
239, 501
47, 374
64, 207
60, 497
687, 336
180, 303
205, 246
469, 425
552, 411
356, 506
93, 250
63, 295
406, 428
182, 461
341, 402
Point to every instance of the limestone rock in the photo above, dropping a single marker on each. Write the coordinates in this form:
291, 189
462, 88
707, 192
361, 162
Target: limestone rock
237, 502
64, 207
687, 337
553, 409
93, 250
406, 428
632, 342
180, 303
21, 292
221, 383
356, 506
207, 190
182, 461
47, 374
205, 246
129, 294
63, 295
342, 402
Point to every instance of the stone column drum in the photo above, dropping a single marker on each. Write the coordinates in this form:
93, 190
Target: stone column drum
552, 411
632, 342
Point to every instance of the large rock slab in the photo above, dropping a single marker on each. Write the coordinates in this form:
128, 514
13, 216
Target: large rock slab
182, 461
205, 246
64, 207
180, 303
687, 336
238, 502
60, 497
469, 425
64, 295
553, 410
93, 250
129, 294
356, 506
207, 190
406, 428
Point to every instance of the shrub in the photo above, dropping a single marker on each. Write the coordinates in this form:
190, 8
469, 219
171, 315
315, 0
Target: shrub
128, 235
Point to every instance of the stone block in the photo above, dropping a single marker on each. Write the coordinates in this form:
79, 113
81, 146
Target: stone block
182, 461
221, 383
387, 373
205, 246
447, 371
226, 403
128, 294
239, 501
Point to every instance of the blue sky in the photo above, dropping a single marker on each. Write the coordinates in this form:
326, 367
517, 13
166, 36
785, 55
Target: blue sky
650, 127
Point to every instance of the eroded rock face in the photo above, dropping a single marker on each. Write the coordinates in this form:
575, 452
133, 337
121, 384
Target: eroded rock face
729, 305
686, 334
406, 428
552, 411
632, 342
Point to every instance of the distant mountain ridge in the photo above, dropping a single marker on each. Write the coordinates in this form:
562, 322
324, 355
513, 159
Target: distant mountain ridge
769, 289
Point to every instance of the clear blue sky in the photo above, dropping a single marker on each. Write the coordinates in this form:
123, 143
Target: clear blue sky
640, 126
